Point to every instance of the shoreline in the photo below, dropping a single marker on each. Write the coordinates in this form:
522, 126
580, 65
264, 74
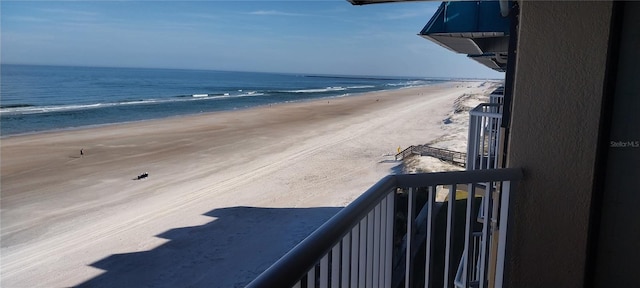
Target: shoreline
277, 171
66, 129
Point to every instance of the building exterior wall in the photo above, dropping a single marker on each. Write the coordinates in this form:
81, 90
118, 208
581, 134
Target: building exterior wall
558, 90
618, 256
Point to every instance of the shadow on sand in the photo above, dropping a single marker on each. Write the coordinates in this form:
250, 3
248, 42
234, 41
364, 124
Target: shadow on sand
397, 169
229, 251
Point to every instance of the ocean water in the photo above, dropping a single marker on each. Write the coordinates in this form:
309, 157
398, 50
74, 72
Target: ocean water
43, 98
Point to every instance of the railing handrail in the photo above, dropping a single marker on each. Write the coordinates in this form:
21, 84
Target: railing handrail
455, 177
477, 111
304, 255
307, 253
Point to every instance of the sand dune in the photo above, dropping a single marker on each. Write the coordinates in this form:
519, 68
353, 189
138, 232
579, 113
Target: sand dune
227, 194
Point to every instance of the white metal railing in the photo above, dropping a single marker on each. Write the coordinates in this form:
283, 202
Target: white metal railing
484, 139
473, 277
484, 136
482, 153
396, 233
497, 96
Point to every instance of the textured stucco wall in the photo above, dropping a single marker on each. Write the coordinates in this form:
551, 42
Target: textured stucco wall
557, 99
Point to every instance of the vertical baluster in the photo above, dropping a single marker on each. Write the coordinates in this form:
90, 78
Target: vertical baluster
493, 229
428, 242
474, 144
474, 140
370, 230
311, 277
362, 267
485, 240
355, 249
483, 135
467, 268
383, 243
450, 234
346, 265
471, 139
502, 233
495, 212
490, 142
391, 214
335, 265
376, 247
497, 141
410, 215
324, 271
476, 257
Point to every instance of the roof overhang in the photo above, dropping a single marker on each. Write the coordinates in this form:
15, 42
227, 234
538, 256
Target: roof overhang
471, 43
495, 61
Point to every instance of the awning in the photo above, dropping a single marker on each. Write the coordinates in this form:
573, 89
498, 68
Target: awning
475, 28
469, 27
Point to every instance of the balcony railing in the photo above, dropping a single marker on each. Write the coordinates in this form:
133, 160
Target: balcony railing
484, 136
497, 96
401, 232
483, 153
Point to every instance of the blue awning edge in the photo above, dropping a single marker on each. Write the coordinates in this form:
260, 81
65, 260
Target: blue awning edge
476, 28
467, 16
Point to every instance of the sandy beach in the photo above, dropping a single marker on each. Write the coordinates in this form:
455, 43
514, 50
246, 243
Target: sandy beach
228, 193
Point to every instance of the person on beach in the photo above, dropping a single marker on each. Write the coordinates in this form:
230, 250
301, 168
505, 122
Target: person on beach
82, 153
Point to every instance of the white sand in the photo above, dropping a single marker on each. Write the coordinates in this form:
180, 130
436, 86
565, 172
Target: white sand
228, 193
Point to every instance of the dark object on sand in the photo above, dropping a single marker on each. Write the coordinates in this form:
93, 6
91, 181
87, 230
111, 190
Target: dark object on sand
142, 176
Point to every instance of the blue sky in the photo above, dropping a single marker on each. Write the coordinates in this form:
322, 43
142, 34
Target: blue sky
319, 37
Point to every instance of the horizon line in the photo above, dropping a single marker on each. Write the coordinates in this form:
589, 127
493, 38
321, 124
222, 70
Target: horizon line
266, 72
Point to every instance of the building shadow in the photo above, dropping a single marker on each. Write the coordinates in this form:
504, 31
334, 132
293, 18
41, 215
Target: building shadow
230, 251
397, 169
